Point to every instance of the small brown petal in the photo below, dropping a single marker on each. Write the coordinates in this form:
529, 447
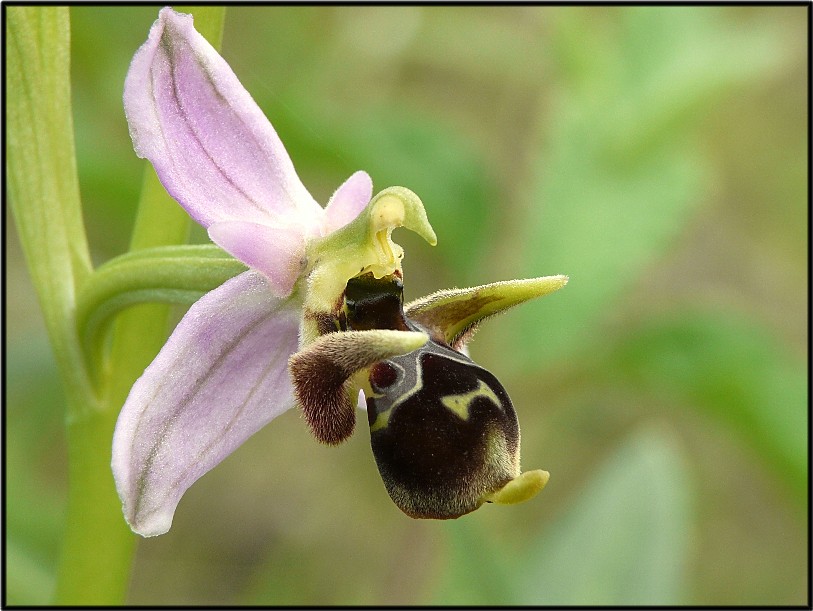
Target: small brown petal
321, 370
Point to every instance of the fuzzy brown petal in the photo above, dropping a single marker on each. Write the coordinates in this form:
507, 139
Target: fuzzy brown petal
321, 371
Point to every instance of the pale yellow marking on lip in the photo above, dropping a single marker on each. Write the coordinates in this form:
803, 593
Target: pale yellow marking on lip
461, 403
381, 421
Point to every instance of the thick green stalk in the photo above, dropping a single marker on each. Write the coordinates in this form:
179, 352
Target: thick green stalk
44, 190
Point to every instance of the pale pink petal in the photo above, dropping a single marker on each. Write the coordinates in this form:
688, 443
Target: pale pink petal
348, 200
278, 252
213, 148
222, 375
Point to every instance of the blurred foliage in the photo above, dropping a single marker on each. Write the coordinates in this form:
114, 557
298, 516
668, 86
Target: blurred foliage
623, 542
657, 155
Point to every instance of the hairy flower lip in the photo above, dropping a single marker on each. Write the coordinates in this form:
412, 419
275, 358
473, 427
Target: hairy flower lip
443, 430
321, 370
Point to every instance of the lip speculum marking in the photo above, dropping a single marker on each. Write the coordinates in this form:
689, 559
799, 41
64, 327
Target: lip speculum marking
460, 404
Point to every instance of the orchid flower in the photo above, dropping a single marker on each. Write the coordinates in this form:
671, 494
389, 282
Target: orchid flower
317, 322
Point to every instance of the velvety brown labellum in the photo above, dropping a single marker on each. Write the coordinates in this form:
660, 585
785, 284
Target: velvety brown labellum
443, 430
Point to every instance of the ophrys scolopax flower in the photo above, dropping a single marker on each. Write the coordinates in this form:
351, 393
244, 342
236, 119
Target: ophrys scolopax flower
318, 318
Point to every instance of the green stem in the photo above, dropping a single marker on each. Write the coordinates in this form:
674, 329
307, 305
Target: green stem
97, 548
44, 195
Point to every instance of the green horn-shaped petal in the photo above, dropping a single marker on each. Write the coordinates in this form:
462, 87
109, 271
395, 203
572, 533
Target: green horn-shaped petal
452, 315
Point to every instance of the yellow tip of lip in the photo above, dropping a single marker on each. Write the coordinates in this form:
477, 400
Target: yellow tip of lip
520, 489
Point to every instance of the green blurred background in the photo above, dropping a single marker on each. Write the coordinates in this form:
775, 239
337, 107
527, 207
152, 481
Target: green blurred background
658, 156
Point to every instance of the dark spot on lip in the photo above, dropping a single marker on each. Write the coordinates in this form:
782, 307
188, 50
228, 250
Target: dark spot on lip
383, 375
